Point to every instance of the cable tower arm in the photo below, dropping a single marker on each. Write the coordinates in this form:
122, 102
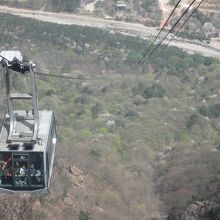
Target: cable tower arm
13, 60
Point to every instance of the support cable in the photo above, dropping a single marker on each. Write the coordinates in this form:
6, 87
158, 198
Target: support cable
65, 77
183, 24
150, 55
140, 61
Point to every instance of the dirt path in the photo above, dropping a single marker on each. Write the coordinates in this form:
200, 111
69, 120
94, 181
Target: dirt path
163, 4
209, 11
90, 7
132, 29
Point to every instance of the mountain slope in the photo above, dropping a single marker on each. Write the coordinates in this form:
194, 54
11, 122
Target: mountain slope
162, 151
190, 46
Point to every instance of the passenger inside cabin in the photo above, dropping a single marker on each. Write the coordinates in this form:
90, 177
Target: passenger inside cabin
38, 176
5, 169
32, 170
17, 169
35, 174
23, 171
6, 174
23, 175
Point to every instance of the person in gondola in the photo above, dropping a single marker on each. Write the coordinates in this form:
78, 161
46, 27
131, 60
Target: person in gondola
38, 176
6, 174
17, 169
17, 172
32, 170
35, 174
23, 175
23, 171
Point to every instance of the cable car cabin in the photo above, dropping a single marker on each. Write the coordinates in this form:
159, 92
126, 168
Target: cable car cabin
25, 166
27, 138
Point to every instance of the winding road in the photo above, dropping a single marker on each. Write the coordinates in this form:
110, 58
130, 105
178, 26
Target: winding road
132, 29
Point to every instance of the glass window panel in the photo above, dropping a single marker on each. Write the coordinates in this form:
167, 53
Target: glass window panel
36, 170
5, 169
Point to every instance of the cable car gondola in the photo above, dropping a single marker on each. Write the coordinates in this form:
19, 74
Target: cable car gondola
28, 136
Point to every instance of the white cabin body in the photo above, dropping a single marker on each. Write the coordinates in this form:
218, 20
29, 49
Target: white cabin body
27, 167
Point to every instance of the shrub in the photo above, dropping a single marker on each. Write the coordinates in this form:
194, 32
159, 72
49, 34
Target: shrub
84, 215
154, 91
210, 111
192, 120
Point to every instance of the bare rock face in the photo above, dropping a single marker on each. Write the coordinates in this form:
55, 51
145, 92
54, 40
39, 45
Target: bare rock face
77, 177
36, 205
200, 210
69, 202
75, 171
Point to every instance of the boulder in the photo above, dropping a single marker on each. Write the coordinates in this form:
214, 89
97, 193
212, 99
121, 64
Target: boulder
77, 177
75, 171
202, 210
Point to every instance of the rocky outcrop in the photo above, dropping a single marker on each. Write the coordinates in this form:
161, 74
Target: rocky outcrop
200, 210
77, 177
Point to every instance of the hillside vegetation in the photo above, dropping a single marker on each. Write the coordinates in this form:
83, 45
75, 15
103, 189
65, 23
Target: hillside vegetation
146, 11
54, 5
144, 143
208, 12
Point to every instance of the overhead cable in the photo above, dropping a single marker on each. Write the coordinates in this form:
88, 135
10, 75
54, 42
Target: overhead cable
65, 77
54, 75
150, 55
140, 61
183, 24
5, 59
44, 80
